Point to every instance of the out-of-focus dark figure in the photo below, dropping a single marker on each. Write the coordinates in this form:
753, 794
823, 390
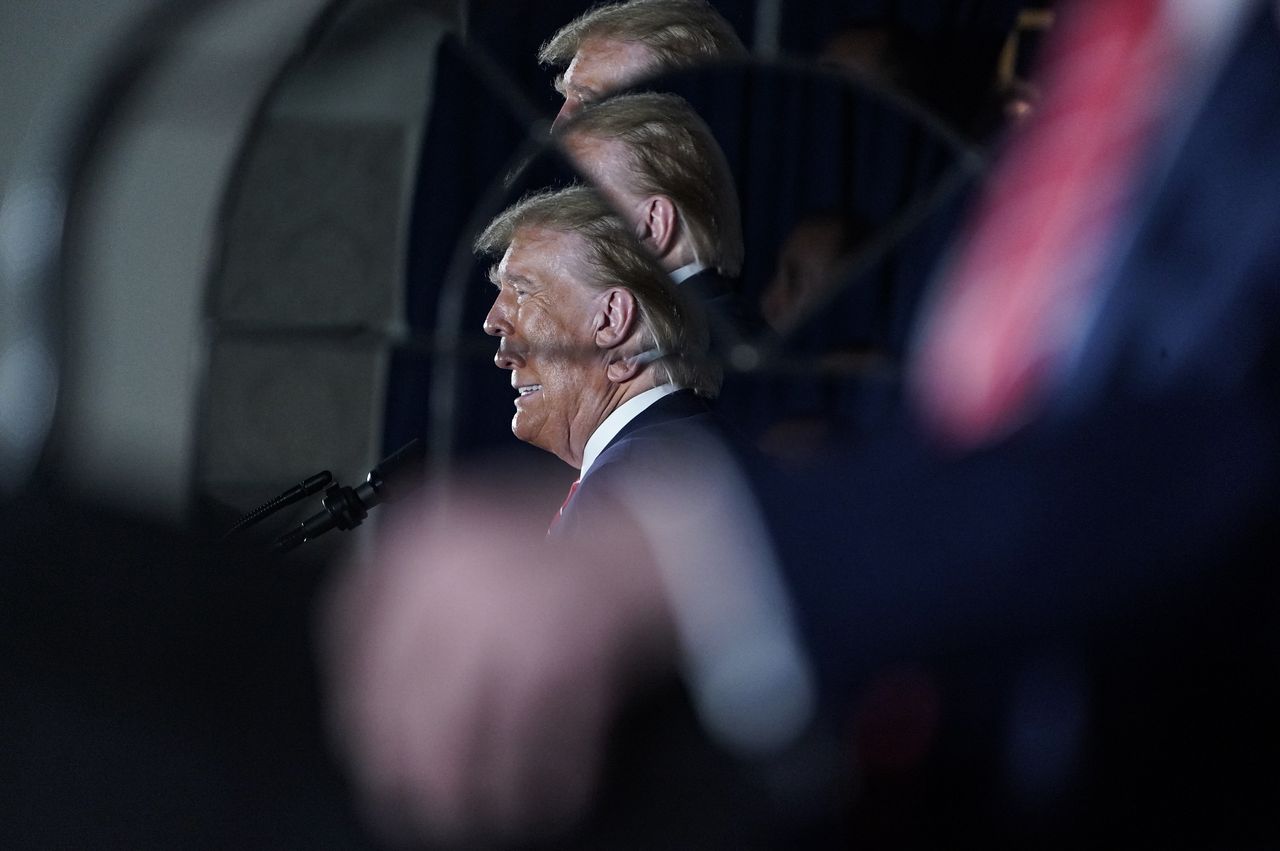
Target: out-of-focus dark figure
157, 690
975, 83
1015, 92
1091, 498
808, 267
812, 269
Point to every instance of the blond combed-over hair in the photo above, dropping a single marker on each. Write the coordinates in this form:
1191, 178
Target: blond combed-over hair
671, 152
679, 33
673, 326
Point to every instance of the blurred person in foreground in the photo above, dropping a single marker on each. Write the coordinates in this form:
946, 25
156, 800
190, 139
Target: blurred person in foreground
1092, 473
614, 45
611, 373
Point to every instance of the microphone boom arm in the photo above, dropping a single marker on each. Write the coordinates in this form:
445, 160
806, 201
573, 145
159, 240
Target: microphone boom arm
346, 507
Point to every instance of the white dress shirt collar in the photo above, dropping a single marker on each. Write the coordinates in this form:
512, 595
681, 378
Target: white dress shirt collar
615, 422
687, 271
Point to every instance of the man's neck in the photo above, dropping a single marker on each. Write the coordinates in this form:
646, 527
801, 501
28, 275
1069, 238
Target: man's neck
678, 256
617, 420
593, 415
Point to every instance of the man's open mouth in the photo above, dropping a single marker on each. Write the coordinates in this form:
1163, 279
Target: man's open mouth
528, 388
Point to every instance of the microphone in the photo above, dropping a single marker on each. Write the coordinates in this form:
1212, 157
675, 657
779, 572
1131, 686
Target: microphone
346, 508
299, 491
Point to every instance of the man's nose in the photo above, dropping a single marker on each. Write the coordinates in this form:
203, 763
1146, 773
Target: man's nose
568, 110
496, 323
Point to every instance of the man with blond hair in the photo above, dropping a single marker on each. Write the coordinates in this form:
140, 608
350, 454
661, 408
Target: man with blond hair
612, 46
609, 369
599, 343
658, 164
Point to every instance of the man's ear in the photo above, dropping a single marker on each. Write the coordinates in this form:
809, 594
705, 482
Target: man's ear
615, 326
616, 318
659, 225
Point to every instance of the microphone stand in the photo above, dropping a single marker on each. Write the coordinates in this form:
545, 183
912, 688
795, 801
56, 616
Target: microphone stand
346, 508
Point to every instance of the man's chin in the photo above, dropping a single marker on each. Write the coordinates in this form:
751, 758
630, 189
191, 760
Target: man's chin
523, 431
527, 434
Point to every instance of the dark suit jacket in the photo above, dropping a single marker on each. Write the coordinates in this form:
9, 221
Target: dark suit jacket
661, 762
746, 400
729, 318
656, 443
1138, 512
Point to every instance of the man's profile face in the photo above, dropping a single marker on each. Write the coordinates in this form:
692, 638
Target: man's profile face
601, 66
543, 316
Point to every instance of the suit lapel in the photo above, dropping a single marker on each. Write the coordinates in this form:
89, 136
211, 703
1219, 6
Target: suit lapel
678, 405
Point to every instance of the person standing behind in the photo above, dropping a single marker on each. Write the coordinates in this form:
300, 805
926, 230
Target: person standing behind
658, 164
612, 46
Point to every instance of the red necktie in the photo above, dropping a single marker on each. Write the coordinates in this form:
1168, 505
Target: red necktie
573, 488
1017, 298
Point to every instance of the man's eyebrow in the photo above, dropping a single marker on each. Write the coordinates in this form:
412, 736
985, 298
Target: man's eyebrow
578, 90
584, 92
512, 278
